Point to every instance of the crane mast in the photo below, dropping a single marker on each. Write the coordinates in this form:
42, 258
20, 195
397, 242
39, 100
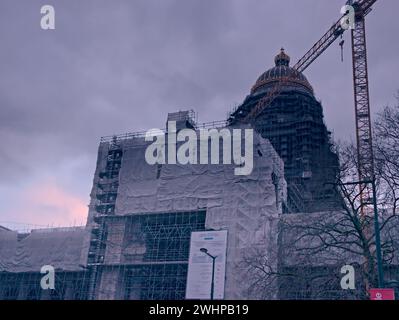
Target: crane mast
362, 111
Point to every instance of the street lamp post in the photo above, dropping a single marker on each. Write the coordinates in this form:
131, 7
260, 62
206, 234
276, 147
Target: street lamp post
380, 267
204, 250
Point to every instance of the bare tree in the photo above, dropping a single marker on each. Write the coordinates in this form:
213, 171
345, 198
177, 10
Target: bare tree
314, 247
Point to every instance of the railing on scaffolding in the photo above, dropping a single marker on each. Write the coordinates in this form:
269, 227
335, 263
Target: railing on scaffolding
142, 134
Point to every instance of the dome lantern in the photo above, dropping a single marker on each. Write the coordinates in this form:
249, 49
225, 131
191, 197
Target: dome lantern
282, 59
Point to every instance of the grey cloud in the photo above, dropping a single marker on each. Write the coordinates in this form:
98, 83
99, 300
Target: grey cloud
121, 65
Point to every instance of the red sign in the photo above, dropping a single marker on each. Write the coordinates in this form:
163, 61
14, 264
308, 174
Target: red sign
382, 294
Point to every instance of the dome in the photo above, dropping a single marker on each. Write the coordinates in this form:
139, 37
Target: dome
296, 80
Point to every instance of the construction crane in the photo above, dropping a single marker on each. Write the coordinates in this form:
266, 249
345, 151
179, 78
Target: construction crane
361, 9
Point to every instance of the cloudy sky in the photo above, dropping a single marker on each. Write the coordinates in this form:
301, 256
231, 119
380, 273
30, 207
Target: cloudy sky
114, 66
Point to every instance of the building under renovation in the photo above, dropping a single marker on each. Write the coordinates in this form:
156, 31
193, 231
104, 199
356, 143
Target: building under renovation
141, 216
136, 244
23, 255
137, 239
294, 125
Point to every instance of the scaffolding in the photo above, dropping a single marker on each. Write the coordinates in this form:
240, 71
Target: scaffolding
23, 254
294, 125
155, 254
107, 190
145, 255
26, 286
151, 265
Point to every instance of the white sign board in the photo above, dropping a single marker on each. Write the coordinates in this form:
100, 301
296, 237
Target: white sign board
199, 277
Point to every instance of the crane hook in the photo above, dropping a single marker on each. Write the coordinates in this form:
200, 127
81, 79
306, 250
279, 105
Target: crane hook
341, 44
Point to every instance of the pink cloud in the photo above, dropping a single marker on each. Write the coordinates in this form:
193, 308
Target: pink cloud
46, 203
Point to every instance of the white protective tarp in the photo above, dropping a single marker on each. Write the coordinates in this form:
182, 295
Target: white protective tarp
60, 248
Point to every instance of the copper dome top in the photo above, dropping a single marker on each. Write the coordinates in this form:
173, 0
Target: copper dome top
282, 70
